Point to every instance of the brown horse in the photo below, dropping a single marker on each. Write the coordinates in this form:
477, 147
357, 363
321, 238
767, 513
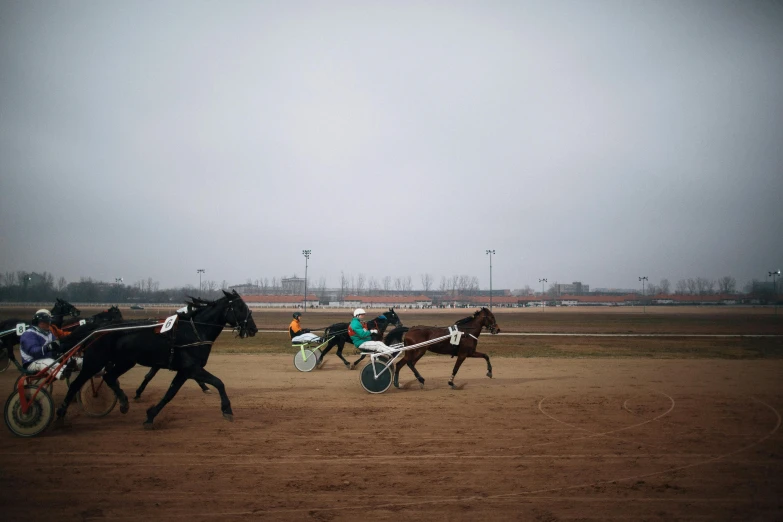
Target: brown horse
471, 327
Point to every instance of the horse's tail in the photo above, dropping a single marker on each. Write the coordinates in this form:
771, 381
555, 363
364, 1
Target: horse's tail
395, 336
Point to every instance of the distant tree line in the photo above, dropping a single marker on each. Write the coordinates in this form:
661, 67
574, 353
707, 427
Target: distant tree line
32, 286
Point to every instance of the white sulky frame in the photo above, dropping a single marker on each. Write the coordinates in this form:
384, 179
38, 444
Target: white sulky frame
395, 350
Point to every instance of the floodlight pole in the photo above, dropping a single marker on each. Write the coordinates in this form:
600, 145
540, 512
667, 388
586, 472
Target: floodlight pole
644, 307
118, 281
775, 274
490, 252
306, 254
543, 301
200, 271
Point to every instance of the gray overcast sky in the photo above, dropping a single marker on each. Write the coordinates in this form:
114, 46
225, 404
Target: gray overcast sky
586, 140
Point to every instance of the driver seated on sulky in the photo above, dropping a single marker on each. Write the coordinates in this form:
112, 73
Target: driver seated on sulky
299, 334
362, 337
40, 349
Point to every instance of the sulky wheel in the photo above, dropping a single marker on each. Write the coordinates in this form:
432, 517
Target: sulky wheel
306, 363
37, 417
5, 361
370, 383
96, 398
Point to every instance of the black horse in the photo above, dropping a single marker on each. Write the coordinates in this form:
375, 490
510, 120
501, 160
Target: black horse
185, 349
339, 331
193, 305
59, 311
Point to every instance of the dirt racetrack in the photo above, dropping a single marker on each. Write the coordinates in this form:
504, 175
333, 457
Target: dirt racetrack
546, 439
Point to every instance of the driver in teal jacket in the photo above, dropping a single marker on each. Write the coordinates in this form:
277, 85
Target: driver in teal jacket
362, 337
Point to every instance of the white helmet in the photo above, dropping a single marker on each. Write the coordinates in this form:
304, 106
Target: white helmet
358, 312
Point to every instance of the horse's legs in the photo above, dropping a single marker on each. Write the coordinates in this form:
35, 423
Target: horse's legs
176, 384
412, 365
110, 378
397, 369
145, 382
202, 386
329, 346
340, 355
225, 404
486, 358
90, 366
460, 358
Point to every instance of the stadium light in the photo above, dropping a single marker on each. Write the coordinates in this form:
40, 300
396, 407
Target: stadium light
490, 252
200, 271
306, 254
775, 274
643, 279
543, 301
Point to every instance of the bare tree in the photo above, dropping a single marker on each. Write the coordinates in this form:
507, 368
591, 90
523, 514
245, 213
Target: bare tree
473, 287
343, 285
359, 284
407, 284
682, 286
62, 284
692, 286
444, 284
373, 286
454, 284
426, 282
210, 286
398, 284
224, 285
652, 289
387, 283
462, 284
704, 286
321, 288
727, 285
665, 286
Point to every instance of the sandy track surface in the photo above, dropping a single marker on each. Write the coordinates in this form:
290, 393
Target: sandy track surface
546, 439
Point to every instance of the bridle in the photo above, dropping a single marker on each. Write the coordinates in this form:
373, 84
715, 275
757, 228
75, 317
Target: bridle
239, 325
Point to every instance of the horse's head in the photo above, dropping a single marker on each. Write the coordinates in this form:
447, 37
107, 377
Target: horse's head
63, 308
393, 318
114, 314
239, 315
487, 319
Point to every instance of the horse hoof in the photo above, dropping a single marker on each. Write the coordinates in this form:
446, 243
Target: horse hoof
137, 398
124, 408
451, 385
206, 391
229, 417
148, 425
351, 367
489, 374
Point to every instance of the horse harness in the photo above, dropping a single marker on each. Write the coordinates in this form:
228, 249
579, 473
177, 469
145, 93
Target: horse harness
200, 341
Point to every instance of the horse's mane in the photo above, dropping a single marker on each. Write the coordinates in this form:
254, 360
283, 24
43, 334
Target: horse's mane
469, 318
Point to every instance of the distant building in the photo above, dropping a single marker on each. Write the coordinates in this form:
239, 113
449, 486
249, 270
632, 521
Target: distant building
293, 285
575, 288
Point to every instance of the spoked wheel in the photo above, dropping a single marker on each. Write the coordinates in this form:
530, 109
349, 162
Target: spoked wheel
306, 363
5, 361
96, 398
380, 384
38, 416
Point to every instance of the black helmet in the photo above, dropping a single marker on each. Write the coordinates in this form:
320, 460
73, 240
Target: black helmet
297, 315
41, 316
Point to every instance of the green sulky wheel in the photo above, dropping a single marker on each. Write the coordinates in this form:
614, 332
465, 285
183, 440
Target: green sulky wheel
306, 362
370, 383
